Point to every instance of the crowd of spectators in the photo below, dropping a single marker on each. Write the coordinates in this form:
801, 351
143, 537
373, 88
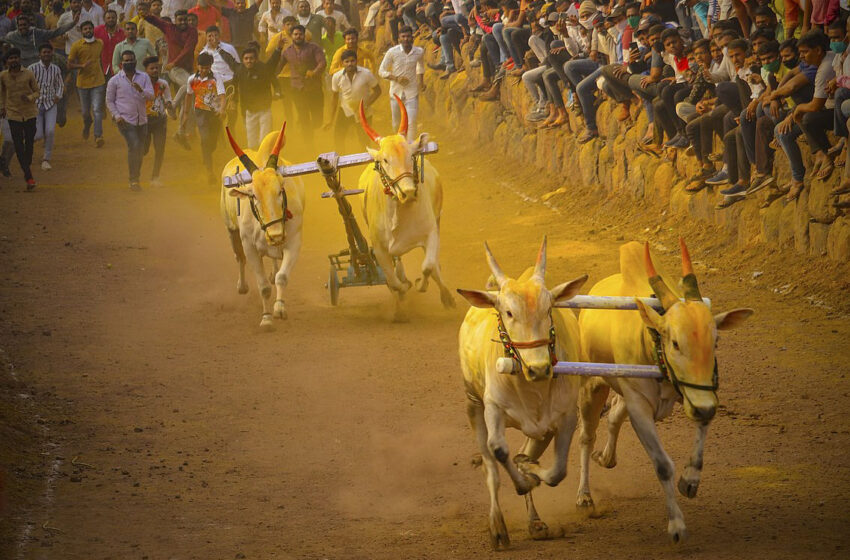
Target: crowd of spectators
728, 82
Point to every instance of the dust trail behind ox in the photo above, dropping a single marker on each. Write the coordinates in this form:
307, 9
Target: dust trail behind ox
402, 206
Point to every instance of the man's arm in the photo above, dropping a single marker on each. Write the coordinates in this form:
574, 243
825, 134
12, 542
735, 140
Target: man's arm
42, 35
116, 59
3, 93
188, 47
161, 24
111, 91
385, 70
321, 62
35, 91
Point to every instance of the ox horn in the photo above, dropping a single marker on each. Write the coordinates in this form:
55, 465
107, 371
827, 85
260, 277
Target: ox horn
658, 285
494, 266
540, 266
246, 161
366, 128
402, 125
281, 140
689, 279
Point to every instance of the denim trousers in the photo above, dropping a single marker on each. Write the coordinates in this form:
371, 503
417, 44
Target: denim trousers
135, 136
91, 105
45, 127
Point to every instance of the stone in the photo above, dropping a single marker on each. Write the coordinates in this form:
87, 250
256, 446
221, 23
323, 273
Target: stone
818, 235
819, 202
838, 240
787, 224
770, 219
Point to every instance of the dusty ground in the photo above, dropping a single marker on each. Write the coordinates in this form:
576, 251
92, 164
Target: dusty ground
145, 415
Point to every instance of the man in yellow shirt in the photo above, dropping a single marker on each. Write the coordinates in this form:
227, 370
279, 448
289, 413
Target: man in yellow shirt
282, 41
91, 83
364, 57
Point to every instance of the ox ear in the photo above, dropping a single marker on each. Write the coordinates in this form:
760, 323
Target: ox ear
650, 316
732, 319
238, 193
568, 290
479, 298
420, 143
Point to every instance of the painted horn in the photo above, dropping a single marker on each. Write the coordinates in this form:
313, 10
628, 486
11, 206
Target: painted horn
366, 128
246, 161
540, 265
689, 279
494, 266
281, 140
658, 285
402, 125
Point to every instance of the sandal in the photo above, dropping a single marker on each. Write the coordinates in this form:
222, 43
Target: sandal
843, 188
695, 187
795, 191
826, 169
837, 148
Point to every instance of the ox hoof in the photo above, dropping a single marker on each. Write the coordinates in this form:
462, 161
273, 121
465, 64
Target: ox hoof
530, 482
280, 310
584, 501
677, 530
538, 530
688, 488
266, 324
421, 284
447, 299
241, 288
609, 461
499, 538
401, 317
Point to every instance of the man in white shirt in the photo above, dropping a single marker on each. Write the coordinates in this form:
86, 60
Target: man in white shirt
271, 22
126, 10
350, 86
225, 62
73, 14
403, 67
328, 10
91, 12
172, 6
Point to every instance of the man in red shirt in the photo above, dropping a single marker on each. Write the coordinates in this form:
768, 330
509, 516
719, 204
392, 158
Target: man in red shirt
111, 35
209, 15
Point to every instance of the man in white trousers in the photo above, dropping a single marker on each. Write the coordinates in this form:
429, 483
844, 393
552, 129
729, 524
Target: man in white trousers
403, 67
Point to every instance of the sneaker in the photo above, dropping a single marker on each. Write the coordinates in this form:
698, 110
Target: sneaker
5, 171
45, 165
716, 156
671, 143
30, 184
719, 178
729, 201
702, 175
690, 151
446, 74
99, 142
758, 183
737, 188
156, 182
135, 186
681, 143
537, 115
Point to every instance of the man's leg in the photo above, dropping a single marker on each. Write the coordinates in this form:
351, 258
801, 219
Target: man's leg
8, 148
18, 129
252, 132
86, 109
585, 91
157, 132
265, 124
97, 100
49, 130
500, 40
180, 78
395, 112
412, 106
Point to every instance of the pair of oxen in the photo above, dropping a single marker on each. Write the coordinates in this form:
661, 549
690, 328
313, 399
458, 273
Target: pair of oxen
517, 319
514, 318
401, 204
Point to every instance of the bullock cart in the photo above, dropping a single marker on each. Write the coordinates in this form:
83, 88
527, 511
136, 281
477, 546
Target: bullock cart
510, 366
356, 264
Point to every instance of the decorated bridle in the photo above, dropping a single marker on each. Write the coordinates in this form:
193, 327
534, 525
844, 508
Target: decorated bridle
251, 167
668, 299
391, 184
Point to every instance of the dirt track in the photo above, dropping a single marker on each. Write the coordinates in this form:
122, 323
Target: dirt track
150, 418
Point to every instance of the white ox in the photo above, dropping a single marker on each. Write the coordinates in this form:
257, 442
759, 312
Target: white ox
687, 334
527, 328
402, 210
264, 219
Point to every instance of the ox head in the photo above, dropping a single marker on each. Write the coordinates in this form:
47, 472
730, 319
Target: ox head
688, 334
266, 190
394, 158
525, 307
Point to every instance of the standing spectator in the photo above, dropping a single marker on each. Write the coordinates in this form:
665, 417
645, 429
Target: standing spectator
158, 110
89, 11
36, 19
241, 21
210, 105
328, 10
208, 15
364, 56
132, 42
271, 22
51, 21
306, 62
74, 17
126, 95
91, 82
111, 35
6, 24
332, 40
18, 93
181, 39
225, 62
171, 7
255, 84
51, 88
125, 9
146, 29
350, 86
314, 23
26, 39
402, 66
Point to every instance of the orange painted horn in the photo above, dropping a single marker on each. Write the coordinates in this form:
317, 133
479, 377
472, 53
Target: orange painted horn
689, 279
281, 140
402, 125
540, 265
366, 128
246, 161
657, 283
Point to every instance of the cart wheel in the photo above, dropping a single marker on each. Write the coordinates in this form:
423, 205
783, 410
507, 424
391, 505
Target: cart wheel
333, 286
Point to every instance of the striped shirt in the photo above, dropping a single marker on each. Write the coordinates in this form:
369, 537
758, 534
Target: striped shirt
50, 84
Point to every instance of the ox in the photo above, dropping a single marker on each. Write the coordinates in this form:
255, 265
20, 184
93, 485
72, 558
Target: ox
402, 210
681, 341
264, 219
526, 328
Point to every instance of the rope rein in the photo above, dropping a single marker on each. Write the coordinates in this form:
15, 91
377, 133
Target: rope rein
511, 347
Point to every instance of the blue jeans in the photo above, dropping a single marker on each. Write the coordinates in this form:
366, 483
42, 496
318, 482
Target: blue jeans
91, 102
135, 136
748, 132
840, 124
788, 141
45, 127
412, 106
585, 90
449, 42
500, 39
578, 69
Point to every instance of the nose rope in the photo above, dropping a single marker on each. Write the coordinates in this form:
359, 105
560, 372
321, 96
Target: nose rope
511, 347
391, 185
670, 375
286, 215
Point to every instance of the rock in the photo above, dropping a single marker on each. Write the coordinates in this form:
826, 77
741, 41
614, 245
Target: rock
838, 240
818, 235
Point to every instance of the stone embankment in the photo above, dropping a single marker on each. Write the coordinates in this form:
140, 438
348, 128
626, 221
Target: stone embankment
810, 225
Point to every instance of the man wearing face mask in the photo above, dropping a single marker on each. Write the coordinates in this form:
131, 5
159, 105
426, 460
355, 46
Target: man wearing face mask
838, 86
85, 56
578, 69
127, 93
18, 94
